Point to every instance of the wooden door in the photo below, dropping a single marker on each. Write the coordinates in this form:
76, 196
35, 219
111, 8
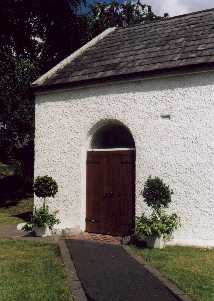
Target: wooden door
110, 207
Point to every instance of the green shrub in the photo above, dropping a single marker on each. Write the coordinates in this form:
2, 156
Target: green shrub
42, 217
157, 225
156, 194
45, 187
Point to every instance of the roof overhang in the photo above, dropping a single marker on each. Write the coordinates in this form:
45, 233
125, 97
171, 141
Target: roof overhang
169, 72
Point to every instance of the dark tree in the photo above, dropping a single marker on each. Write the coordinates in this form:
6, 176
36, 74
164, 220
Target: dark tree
104, 15
44, 31
34, 36
17, 113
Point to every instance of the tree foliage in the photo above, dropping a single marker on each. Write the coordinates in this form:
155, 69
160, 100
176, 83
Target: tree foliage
34, 36
16, 103
42, 31
103, 15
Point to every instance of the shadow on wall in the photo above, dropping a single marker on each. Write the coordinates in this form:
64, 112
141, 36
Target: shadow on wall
125, 86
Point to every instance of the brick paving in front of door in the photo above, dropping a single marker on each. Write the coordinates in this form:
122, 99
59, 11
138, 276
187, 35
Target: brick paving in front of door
115, 240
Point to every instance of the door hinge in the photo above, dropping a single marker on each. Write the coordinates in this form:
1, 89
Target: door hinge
91, 220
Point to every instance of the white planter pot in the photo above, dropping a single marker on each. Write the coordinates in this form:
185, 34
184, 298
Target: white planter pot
154, 242
42, 231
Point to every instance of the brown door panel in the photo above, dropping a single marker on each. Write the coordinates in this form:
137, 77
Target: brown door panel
110, 192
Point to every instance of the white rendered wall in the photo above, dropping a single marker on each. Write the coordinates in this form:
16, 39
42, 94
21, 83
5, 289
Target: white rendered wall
179, 150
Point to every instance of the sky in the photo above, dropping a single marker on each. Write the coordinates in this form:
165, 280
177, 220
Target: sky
172, 7
178, 7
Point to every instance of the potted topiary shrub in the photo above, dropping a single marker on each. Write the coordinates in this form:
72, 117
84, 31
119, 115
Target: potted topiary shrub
43, 220
159, 226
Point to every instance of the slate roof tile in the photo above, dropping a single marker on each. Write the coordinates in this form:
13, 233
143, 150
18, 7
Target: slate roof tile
171, 43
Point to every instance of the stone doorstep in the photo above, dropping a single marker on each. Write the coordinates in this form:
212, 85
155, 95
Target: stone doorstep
166, 282
95, 237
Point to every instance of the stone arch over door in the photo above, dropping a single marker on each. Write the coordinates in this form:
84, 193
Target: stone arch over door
110, 180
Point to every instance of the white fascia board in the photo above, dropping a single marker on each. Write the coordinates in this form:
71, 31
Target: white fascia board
73, 56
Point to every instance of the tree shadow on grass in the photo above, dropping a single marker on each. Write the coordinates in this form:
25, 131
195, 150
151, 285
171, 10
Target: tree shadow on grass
9, 199
26, 216
12, 190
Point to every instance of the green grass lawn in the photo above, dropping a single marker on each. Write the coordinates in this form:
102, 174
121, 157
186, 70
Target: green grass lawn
14, 212
31, 271
192, 269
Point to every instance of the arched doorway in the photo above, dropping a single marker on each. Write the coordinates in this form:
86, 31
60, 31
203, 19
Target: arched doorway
110, 181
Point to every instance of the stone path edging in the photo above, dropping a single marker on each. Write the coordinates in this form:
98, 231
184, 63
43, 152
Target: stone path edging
75, 285
167, 283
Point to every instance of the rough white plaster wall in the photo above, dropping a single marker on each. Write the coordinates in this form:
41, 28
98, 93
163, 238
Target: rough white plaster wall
179, 150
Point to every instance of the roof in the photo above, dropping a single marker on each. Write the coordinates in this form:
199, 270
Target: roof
176, 42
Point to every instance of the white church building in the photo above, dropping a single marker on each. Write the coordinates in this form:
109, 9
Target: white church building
133, 102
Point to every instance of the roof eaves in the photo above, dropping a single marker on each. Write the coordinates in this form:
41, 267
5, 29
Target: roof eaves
176, 71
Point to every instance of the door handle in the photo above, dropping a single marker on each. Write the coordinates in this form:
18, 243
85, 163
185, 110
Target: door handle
108, 194
91, 220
